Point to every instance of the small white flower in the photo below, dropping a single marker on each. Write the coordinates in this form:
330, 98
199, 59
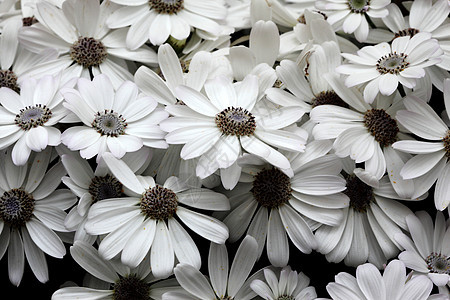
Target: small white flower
145, 220
383, 66
116, 121
29, 118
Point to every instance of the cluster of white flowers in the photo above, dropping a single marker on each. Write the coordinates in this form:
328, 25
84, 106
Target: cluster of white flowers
132, 131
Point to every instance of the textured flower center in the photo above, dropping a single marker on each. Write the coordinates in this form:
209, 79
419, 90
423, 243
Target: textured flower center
392, 63
328, 97
358, 6
109, 123
406, 32
131, 288
9, 79
16, 207
88, 52
446, 141
359, 193
33, 116
438, 263
28, 21
286, 297
271, 188
236, 121
167, 7
105, 187
159, 203
381, 125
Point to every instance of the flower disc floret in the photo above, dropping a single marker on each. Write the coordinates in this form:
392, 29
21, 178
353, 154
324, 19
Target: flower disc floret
406, 32
105, 187
382, 126
88, 52
109, 123
9, 79
359, 193
159, 203
328, 98
438, 263
33, 116
286, 297
16, 207
392, 63
236, 121
131, 288
358, 6
271, 188
168, 7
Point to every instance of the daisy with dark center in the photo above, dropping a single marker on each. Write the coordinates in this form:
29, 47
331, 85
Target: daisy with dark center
426, 248
365, 132
351, 15
31, 210
223, 283
367, 232
383, 66
86, 46
430, 163
157, 20
304, 84
269, 203
288, 285
119, 281
219, 127
394, 284
115, 120
146, 220
29, 118
94, 186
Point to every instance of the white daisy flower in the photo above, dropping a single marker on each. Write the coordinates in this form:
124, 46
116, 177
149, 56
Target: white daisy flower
289, 285
223, 283
156, 20
173, 73
92, 187
424, 16
115, 120
268, 204
216, 128
430, 162
29, 119
120, 281
31, 210
85, 44
369, 226
145, 221
394, 284
350, 15
428, 251
383, 66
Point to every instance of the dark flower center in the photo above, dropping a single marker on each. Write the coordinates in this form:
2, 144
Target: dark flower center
359, 193
159, 203
236, 121
382, 126
105, 187
328, 97
438, 263
9, 79
286, 297
271, 188
358, 6
406, 32
392, 63
28, 21
167, 7
33, 116
88, 52
109, 123
446, 141
131, 288
16, 207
